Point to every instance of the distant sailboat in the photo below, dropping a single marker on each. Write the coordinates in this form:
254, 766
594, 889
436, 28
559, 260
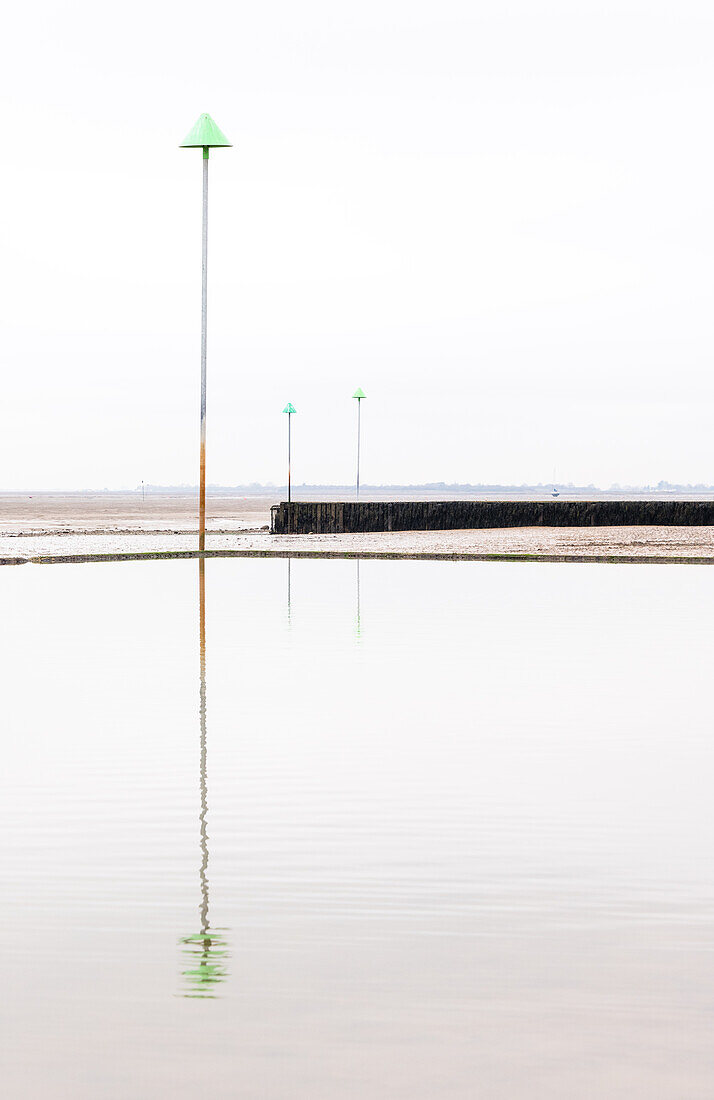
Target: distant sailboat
555, 492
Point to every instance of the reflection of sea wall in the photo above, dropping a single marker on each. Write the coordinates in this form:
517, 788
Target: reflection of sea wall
336, 517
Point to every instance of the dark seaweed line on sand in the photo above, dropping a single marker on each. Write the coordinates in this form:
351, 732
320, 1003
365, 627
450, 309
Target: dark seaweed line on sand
377, 555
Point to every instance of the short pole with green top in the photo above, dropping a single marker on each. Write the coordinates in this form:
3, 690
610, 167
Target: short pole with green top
290, 410
204, 135
359, 396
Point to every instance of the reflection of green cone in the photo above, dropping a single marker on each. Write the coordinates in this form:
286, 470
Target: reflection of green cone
205, 950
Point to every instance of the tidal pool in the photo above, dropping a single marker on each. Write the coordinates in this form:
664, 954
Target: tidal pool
381, 830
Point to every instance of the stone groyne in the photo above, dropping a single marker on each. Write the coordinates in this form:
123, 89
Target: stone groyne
346, 517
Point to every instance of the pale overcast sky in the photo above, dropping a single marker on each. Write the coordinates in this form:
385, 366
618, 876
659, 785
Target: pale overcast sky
495, 217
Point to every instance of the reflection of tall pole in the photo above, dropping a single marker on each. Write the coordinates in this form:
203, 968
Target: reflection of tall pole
205, 948
205, 135
360, 398
289, 560
289, 409
359, 628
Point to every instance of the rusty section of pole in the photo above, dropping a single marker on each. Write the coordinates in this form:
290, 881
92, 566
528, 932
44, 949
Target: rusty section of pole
204, 340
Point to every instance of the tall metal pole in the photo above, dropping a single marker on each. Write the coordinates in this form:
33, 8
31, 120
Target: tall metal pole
359, 433
205, 135
289, 420
358, 395
289, 409
204, 337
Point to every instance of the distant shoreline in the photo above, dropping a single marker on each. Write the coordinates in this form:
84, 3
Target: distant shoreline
435, 490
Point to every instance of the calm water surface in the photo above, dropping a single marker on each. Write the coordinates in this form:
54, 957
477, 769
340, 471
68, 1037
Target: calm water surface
405, 830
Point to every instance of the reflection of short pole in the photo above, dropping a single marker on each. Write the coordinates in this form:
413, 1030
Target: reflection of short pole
289, 409
359, 397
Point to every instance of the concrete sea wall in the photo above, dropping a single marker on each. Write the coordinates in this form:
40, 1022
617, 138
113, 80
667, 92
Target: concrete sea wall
338, 517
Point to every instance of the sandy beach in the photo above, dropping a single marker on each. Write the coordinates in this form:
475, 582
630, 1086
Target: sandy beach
67, 524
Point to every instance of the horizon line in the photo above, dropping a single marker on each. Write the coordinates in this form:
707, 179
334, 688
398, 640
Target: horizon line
270, 487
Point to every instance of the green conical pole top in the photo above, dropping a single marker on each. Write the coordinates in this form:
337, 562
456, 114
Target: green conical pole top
359, 394
205, 134
289, 408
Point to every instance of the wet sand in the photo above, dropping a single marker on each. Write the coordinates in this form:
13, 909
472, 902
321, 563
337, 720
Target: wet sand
126, 513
